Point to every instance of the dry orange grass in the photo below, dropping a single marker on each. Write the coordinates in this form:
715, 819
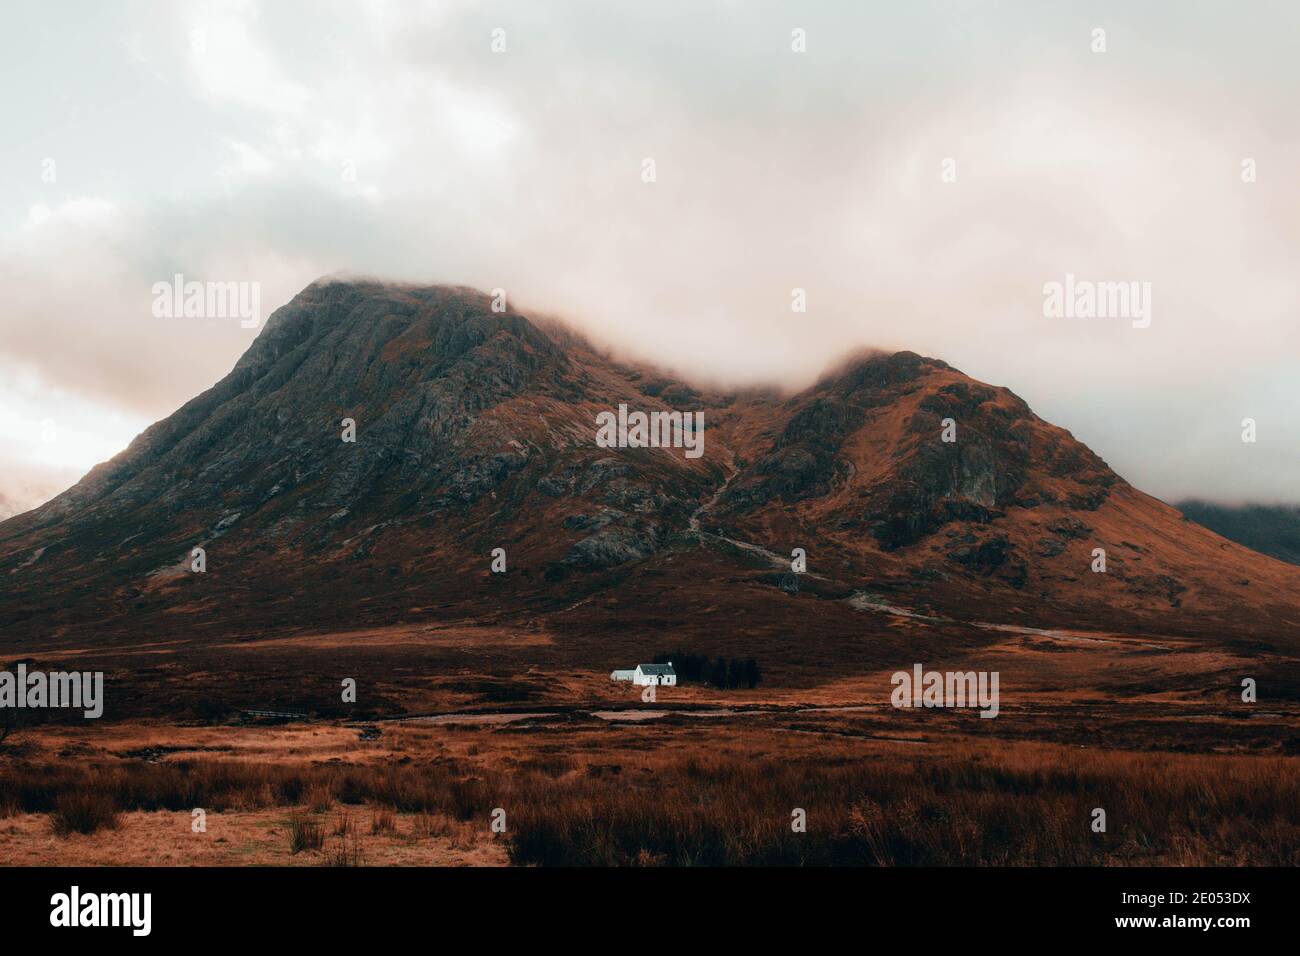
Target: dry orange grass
82, 811
305, 833
958, 803
1027, 806
383, 820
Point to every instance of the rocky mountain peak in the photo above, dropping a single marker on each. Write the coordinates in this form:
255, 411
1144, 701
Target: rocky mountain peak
381, 440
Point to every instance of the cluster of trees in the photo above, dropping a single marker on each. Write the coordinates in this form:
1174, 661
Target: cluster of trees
721, 673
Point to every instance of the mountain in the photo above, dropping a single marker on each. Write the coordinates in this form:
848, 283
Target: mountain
476, 430
1269, 529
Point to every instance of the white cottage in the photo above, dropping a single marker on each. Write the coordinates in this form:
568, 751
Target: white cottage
661, 675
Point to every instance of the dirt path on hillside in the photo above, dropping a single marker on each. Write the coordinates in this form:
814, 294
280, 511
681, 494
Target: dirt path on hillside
694, 523
776, 560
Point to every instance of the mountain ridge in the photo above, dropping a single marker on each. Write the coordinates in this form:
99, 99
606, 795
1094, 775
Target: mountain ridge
475, 430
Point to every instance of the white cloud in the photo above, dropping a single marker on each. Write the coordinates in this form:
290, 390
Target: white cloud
386, 138
79, 212
247, 161
231, 60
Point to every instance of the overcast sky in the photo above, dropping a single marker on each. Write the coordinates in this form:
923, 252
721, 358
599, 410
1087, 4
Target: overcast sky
276, 142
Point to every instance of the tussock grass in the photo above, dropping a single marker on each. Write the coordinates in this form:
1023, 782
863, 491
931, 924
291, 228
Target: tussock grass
428, 825
320, 798
1010, 809
305, 833
959, 804
383, 820
83, 811
345, 850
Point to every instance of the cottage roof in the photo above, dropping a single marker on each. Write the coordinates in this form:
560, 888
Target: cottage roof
657, 670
